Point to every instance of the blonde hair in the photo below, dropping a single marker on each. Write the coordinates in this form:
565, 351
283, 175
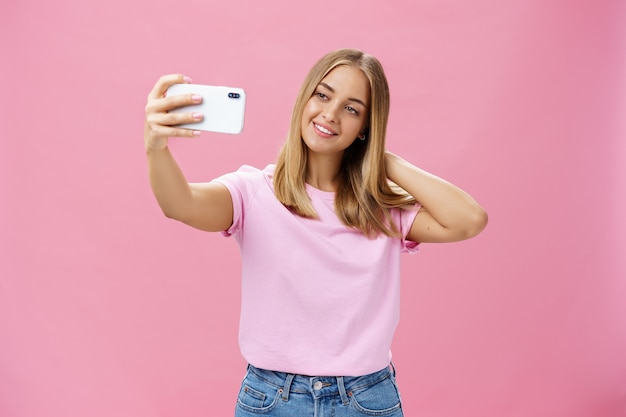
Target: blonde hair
365, 196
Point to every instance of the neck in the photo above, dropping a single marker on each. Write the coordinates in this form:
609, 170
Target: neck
323, 171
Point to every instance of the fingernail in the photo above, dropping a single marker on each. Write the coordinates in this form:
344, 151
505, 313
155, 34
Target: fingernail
196, 98
196, 133
187, 79
197, 115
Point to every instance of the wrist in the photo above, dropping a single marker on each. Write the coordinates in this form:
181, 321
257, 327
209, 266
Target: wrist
155, 149
391, 164
155, 145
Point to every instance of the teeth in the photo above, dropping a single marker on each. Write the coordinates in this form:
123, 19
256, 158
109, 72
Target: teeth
328, 132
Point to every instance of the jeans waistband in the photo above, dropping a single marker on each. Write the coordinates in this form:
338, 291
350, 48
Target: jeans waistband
320, 386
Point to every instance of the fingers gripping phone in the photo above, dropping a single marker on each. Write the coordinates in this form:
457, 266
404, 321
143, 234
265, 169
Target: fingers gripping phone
223, 108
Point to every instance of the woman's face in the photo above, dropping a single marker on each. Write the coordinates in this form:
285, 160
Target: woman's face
337, 111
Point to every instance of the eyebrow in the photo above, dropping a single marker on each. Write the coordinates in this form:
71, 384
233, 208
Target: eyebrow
332, 90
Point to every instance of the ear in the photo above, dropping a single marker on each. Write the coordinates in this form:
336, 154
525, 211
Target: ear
364, 133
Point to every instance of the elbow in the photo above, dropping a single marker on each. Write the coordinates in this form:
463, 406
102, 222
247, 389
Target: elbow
476, 222
172, 214
169, 214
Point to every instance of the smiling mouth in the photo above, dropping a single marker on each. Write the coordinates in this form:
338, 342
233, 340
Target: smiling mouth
323, 130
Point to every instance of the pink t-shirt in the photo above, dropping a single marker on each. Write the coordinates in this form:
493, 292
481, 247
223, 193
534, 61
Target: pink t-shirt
318, 298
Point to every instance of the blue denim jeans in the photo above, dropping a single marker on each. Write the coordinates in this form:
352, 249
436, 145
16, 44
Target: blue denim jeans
279, 394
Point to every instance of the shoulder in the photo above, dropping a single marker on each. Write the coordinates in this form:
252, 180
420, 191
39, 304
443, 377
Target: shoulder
247, 180
248, 172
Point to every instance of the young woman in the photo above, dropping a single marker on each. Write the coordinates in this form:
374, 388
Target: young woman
320, 234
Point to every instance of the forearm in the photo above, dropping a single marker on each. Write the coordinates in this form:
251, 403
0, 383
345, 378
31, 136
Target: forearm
168, 183
449, 205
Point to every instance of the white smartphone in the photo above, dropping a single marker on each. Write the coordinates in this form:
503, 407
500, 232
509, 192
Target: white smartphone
223, 107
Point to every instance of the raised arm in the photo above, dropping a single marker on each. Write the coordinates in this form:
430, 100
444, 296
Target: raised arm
448, 214
206, 206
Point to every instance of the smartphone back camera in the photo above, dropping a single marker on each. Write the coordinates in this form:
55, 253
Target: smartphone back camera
233, 95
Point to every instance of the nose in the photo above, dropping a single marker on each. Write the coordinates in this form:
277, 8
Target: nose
330, 112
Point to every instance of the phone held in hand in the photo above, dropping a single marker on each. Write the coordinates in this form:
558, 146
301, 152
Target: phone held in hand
223, 107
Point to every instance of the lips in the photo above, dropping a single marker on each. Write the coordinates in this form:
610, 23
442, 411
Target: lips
323, 130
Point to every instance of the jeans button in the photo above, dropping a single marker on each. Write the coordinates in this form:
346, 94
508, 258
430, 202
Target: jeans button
317, 386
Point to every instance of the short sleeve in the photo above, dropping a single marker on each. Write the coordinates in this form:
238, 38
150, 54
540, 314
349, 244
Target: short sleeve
404, 220
242, 186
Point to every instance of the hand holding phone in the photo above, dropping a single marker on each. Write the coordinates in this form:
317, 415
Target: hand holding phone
223, 108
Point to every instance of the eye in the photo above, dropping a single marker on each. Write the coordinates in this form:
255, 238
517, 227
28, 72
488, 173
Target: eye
321, 95
352, 110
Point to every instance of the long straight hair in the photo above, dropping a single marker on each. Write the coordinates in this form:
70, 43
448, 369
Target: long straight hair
365, 196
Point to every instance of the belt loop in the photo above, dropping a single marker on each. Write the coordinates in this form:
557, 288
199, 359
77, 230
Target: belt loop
342, 391
287, 386
393, 372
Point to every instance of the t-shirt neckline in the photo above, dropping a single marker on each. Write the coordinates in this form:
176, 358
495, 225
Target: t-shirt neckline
316, 192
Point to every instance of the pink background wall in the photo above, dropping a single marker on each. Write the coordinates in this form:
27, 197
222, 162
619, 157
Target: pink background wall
109, 309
